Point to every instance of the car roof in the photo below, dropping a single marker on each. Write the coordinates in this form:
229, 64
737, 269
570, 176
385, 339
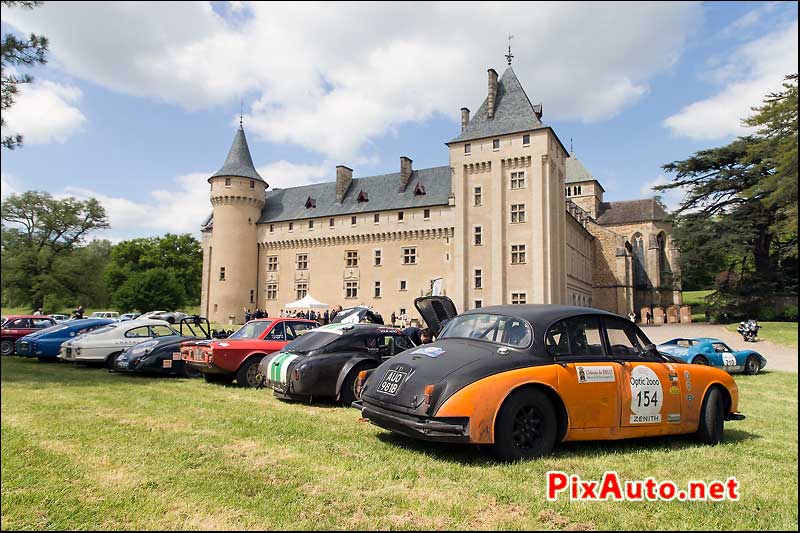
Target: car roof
540, 313
9, 317
143, 322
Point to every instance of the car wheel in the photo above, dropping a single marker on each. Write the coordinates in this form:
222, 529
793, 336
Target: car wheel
189, 372
526, 427
248, 375
217, 378
110, 360
6, 347
700, 360
347, 394
751, 366
712, 418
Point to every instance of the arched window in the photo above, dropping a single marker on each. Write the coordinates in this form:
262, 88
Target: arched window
637, 251
664, 270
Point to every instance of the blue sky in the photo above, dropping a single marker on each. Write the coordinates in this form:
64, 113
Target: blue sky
139, 102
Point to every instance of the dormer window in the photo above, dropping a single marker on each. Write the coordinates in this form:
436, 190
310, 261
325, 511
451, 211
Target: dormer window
362, 197
311, 203
419, 190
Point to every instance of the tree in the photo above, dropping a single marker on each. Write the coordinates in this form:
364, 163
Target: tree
155, 288
39, 233
15, 52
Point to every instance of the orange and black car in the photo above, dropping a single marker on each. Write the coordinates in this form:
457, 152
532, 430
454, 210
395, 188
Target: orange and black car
522, 378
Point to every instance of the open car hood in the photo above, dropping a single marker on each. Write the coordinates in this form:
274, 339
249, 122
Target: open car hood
435, 310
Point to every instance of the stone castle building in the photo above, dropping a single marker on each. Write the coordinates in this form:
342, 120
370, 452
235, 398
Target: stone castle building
513, 218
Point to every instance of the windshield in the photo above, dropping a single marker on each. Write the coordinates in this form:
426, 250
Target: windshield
252, 330
313, 340
493, 328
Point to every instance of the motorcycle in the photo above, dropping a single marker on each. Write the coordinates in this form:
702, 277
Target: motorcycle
749, 330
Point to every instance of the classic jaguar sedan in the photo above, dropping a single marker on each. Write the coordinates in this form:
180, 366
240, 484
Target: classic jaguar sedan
714, 352
237, 357
103, 345
325, 362
522, 378
46, 343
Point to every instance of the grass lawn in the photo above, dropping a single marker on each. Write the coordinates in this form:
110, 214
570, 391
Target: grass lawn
778, 332
695, 299
85, 449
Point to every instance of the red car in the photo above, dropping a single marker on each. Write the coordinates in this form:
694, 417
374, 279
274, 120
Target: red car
238, 356
17, 326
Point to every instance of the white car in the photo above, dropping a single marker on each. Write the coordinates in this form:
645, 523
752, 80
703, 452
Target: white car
59, 318
151, 313
103, 345
105, 314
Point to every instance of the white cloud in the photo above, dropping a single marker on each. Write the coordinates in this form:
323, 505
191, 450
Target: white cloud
672, 198
332, 78
753, 70
44, 112
8, 185
283, 174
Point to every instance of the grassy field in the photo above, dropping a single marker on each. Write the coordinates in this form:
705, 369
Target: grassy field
695, 299
85, 449
778, 332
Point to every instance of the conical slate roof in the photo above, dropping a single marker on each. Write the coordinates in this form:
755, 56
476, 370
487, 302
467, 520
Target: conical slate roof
239, 163
513, 112
576, 171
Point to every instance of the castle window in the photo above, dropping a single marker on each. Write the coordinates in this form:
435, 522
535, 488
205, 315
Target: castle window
377, 293
351, 289
331, 222
272, 291
311, 203
403, 287
517, 213
468, 148
222, 273
579, 189
362, 197
272, 263
399, 216
478, 196
252, 186
567, 191
351, 258
310, 224
519, 298
353, 220
378, 258
227, 182
302, 261
376, 218
496, 144
410, 256
478, 279
478, 304
518, 180
301, 290
272, 228
526, 140
291, 226
517, 254
419, 190
252, 295
426, 214
478, 235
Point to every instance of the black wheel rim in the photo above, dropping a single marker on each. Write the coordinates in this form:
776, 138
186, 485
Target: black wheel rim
6, 348
252, 375
751, 365
527, 428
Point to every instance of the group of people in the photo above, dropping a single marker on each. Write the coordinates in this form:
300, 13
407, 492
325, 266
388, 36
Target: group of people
259, 313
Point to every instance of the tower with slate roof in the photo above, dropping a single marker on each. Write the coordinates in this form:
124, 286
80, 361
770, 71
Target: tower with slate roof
230, 258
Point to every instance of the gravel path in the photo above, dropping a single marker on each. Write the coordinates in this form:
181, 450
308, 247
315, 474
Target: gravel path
779, 357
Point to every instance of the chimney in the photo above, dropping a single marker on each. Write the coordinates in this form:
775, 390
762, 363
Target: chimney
344, 176
492, 92
405, 172
464, 118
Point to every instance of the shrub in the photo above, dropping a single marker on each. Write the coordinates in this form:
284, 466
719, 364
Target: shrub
790, 313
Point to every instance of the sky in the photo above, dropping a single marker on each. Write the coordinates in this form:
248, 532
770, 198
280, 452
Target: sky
139, 102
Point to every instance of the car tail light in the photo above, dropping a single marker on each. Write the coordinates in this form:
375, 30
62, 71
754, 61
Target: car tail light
426, 396
362, 378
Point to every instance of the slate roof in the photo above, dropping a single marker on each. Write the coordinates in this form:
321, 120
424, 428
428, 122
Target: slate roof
382, 191
631, 211
576, 172
239, 163
513, 112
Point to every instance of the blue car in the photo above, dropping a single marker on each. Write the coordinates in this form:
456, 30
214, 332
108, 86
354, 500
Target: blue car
714, 352
45, 343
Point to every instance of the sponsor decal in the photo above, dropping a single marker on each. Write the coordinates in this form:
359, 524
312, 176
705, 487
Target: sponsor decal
224, 344
728, 359
674, 390
595, 374
673, 418
166, 363
646, 396
176, 356
430, 351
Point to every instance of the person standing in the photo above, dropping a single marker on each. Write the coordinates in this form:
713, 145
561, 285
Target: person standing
325, 317
38, 312
394, 319
247, 315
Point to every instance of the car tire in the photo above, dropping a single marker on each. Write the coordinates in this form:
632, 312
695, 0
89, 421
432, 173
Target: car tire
700, 360
188, 372
712, 418
526, 426
347, 392
217, 378
110, 360
247, 375
752, 365
6, 347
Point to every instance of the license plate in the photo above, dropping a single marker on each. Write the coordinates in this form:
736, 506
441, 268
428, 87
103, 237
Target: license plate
176, 356
391, 382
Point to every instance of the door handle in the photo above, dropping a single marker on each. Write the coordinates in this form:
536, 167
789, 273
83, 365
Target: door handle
502, 351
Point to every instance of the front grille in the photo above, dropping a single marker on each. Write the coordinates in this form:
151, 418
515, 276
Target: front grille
23, 347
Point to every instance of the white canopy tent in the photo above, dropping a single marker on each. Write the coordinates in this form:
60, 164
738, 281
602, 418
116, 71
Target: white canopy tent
307, 302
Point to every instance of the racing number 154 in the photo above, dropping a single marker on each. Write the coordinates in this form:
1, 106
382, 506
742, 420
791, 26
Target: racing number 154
643, 399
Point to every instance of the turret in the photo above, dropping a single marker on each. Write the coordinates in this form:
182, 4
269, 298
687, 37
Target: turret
230, 268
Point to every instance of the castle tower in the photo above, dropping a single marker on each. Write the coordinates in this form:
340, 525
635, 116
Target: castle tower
508, 183
230, 265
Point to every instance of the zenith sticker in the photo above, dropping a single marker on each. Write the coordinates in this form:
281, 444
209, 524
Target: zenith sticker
595, 374
430, 351
647, 396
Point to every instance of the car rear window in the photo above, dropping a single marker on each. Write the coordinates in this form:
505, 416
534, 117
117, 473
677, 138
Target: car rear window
313, 340
500, 329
